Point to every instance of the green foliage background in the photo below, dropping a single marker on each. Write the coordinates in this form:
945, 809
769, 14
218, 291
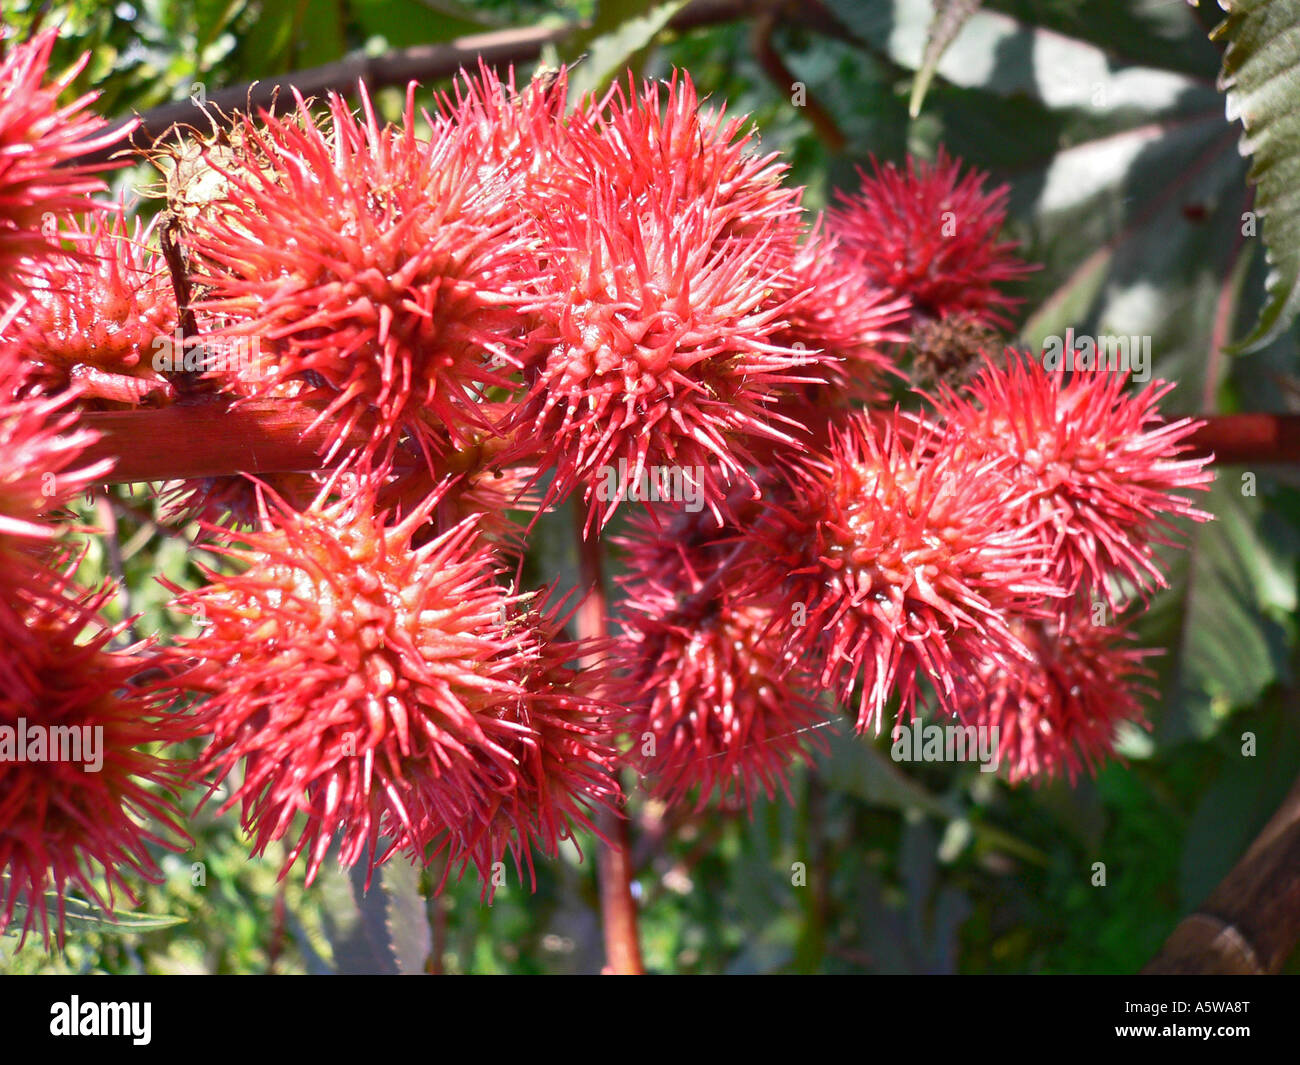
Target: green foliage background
1128, 186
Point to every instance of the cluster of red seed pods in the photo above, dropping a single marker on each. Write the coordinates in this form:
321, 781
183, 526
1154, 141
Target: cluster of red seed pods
496, 307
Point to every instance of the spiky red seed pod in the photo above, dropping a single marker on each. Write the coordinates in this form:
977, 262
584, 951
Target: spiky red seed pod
557, 730
58, 824
38, 138
367, 259
894, 563
662, 353
715, 705
836, 311
669, 272
1058, 710
66, 823
39, 452
564, 750
668, 144
99, 317
378, 687
713, 702
930, 234
1093, 465
518, 137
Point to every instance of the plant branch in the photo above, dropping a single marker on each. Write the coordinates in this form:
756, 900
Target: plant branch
614, 858
1251, 922
821, 120
107, 522
209, 437
425, 62
1250, 438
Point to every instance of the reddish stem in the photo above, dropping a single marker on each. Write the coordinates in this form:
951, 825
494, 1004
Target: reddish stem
617, 907
613, 860
1247, 438
207, 437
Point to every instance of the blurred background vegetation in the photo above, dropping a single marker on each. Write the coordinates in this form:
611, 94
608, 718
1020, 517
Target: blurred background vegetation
1128, 186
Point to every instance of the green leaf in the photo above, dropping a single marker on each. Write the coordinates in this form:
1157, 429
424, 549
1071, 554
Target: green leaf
79, 915
1261, 73
354, 922
409, 935
318, 33
406, 22
1239, 803
211, 19
620, 30
267, 49
858, 767
1227, 614
949, 17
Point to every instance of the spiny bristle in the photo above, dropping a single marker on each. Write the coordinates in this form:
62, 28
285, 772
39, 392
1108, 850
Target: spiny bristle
892, 565
383, 690
41, 138
930, 234
1091, 464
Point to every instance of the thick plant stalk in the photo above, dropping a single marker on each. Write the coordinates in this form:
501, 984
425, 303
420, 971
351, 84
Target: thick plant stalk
614, 858
1244, 438
207, 437
617, 907
1251, 923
